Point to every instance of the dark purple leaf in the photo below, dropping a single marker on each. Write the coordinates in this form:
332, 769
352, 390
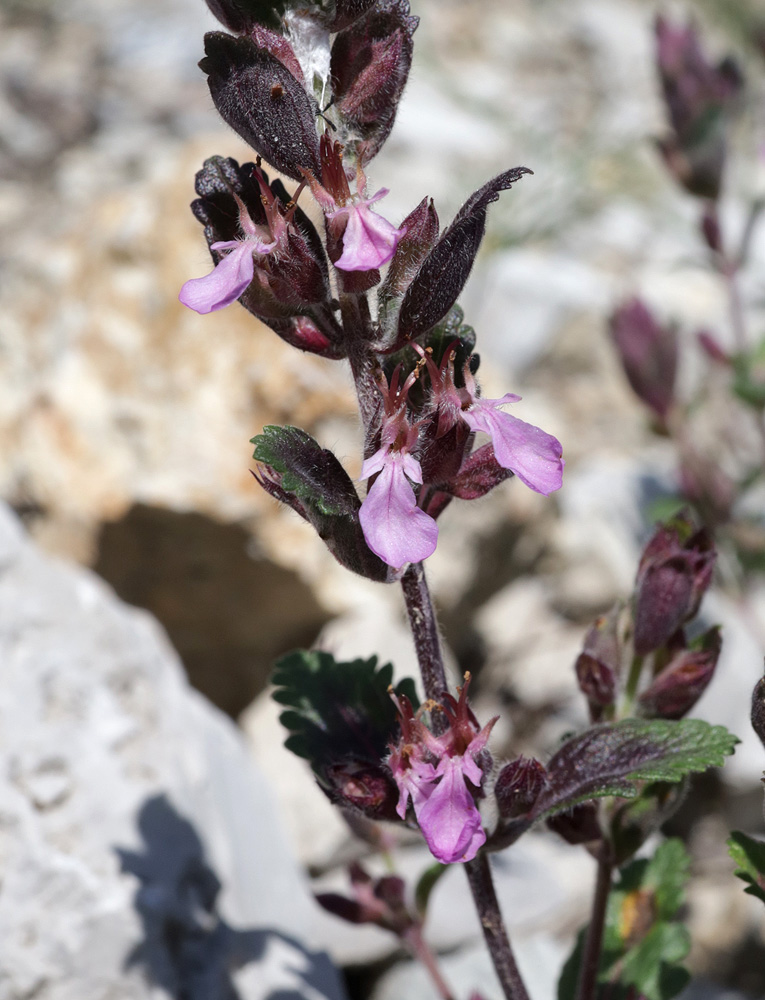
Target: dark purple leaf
443, 274
611, 759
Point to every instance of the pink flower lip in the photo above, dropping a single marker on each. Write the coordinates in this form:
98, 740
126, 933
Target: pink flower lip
394, 527
230, 277
532, 454
369, 240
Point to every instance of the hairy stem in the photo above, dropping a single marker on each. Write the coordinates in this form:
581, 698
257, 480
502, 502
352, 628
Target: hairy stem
422, 951
588, 973
422, 619
494, 932
365, 368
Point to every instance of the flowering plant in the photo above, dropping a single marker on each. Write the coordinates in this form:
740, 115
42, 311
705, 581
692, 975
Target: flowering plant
314, 91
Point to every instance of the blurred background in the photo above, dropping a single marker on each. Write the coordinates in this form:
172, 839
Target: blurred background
124, 428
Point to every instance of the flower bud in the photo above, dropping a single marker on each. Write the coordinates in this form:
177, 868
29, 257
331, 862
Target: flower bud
370, 65
711, 346
675, 570
578, 825
674, 691
518, 786
758, 709
376, 901
421, 233
648, 353
699, 98
241, 16
346, 12
599, 664
362, 786
710, 229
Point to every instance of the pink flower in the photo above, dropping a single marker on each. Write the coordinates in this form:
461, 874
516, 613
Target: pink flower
232, 275
448, 816
369, 240
434, 772
532, 454
394, 527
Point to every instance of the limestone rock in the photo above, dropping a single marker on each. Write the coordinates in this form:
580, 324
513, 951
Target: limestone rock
140, 852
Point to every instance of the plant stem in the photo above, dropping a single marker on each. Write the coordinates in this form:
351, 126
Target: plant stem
485, 898
588, 974
424, 954
630, 688
422, 619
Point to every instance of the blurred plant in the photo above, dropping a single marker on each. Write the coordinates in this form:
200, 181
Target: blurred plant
314, 90
748, 853
720, 468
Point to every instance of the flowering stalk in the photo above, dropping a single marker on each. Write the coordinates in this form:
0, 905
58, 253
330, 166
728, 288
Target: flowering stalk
422, 619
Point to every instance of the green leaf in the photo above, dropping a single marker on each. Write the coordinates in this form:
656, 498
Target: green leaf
749, 378
749, 855
642, 942
336, 711
636, 819
425, 885
308, 471
612, 759
296, 470
652, 966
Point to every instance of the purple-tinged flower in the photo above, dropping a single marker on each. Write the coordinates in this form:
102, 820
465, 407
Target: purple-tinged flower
532, 454
368, 240
436, 774
394, 527
232, 275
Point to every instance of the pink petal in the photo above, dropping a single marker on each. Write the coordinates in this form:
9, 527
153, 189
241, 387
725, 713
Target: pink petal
415, 781
369, 241
225, 283
448, 818
394, 527
533, 455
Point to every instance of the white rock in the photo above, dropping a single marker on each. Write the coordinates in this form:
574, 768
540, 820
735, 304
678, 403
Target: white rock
539, 961
140, 852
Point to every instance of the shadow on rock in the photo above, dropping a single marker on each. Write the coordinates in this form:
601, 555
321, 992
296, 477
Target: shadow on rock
188, 949
228, 613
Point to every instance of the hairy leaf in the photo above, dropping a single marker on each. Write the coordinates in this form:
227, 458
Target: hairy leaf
445, 270
337, 710
610, 759
299, 472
